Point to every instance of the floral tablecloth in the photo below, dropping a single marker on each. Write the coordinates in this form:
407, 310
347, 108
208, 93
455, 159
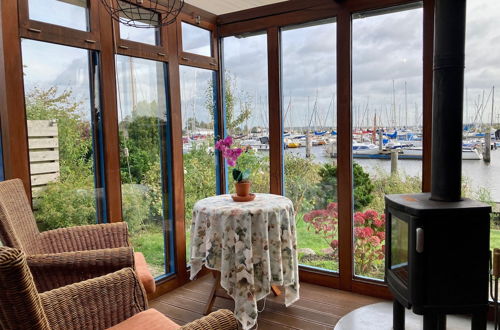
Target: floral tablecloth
252, 244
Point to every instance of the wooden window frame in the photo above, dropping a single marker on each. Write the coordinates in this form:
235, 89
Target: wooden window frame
295, 12
191, 59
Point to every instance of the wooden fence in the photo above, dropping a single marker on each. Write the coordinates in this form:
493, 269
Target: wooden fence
44, 153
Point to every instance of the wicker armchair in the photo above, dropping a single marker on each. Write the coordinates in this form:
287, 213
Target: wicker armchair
66, 255
115, 301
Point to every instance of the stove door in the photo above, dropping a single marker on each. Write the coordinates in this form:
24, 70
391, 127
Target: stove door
399, 249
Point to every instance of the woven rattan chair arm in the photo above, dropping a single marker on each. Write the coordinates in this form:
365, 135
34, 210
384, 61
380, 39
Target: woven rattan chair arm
222, 319
97, 303
92, 237
52, 271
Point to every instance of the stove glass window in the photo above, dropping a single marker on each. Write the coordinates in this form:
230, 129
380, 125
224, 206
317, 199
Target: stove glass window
399, 248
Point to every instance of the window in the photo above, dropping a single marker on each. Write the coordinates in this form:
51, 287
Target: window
73, 14
246, 104
196, 40
198, 95
143, 124
481, 110
63, 112
142, 32
387, 119
310, 138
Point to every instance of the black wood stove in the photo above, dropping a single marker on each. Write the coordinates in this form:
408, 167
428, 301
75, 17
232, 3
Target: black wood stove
437, 244
437, 259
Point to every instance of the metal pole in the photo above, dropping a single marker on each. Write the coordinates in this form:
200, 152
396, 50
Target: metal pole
448, 97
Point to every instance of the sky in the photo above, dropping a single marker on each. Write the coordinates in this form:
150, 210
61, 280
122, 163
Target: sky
387, 49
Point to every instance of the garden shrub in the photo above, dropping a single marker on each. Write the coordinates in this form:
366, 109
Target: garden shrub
135, 206
199, 177
66, 204
301, 180
327, 188
369, 237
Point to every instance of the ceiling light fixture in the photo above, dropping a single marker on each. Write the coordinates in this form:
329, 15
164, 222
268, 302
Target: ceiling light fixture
144, 13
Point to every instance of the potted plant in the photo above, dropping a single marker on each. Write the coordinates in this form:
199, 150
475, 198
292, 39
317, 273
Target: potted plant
241, 177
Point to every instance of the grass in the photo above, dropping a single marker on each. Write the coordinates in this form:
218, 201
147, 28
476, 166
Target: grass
150, 242
494, 238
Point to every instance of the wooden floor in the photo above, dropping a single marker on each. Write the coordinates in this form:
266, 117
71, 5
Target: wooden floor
318, 307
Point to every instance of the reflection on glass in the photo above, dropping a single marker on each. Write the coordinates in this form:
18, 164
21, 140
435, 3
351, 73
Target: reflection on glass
310, 138
61, 133
387, 118
141, 18
69, 13
246, 105
198, 108
142, 126
196, 40
399, 248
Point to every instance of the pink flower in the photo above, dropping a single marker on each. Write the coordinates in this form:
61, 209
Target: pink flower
378, 223
371, 214
381, 235
334, 244
224, 144
374, 240
359, 219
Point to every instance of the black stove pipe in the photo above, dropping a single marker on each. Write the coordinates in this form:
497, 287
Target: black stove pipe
447, 108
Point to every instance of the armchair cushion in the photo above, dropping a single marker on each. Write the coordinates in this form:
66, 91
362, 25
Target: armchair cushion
145, 276
150, 319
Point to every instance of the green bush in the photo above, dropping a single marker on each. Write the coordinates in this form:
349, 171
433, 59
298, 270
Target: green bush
386, 184
66, 204
328, 190
199, 177
301, 180
135, 206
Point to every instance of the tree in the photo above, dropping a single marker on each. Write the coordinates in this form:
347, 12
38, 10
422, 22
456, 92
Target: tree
327, 188
233, 121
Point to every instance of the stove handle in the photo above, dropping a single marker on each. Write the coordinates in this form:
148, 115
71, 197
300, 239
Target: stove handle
420, 240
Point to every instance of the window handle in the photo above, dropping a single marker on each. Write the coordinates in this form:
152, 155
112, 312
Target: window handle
123, 47
34, 30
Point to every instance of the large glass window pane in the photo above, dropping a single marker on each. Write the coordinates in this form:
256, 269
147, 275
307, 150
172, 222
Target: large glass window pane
141, 18
246, 104
61, 112
387, 119
73, 14
196, 40
198, 127
142, 126
310, 138
481, 108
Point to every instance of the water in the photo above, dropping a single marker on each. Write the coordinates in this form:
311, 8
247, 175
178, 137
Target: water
478, 173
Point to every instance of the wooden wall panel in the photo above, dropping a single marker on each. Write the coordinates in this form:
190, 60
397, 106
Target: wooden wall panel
177, 154
344, 148
110, 118
275, 111
427, 93
14, 132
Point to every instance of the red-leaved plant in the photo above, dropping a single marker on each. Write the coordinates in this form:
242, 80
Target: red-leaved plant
369, 236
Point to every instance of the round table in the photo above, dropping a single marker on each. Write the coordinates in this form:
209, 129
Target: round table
252, 244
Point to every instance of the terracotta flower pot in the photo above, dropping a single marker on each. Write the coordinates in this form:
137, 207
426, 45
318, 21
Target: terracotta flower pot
243, 188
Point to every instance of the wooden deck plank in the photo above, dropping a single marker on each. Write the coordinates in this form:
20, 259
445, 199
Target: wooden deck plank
318, 307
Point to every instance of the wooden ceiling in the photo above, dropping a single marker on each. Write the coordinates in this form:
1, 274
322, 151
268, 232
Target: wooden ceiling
219, 7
